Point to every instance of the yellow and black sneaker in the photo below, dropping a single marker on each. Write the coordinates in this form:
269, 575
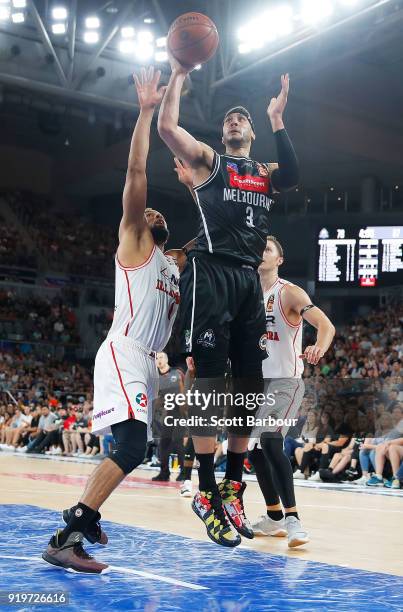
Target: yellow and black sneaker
232, 498
208, 507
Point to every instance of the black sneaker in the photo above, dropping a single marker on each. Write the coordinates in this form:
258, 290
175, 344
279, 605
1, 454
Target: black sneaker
94, 533
162, 477
351, 474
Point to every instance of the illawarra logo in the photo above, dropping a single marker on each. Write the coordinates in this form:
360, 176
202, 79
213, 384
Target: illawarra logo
207, 339
141, 400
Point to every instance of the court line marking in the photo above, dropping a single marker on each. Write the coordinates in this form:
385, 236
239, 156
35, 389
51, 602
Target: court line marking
166, 498
125, 570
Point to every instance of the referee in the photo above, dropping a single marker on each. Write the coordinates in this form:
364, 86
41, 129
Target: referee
222, 304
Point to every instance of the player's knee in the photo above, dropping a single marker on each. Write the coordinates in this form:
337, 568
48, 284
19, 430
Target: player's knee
130, 444
128, 457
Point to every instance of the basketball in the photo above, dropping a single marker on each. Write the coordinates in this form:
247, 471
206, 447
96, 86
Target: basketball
192, 39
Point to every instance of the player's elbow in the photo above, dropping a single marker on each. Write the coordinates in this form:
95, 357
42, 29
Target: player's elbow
332, 329
166, 129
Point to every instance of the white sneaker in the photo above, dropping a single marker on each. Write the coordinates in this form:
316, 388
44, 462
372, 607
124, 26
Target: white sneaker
265, 526
315, 477
49, 452
360, 481
22, 449
186, 489
57, 451
296, 535
298, 475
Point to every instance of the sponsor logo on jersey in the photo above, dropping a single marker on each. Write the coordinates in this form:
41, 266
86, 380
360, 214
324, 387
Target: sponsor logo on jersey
270, 303
262, 170
263, 342
207, 339
248, 182
141, 400
232, 167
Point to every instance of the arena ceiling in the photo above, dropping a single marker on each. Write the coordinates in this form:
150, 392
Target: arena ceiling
345, 106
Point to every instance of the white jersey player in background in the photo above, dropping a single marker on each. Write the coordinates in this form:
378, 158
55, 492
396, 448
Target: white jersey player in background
286, 307
125, 375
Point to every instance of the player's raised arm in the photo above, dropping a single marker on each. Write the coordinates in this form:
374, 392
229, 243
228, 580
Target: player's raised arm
135, 190
297, 301
286, 175
181, 143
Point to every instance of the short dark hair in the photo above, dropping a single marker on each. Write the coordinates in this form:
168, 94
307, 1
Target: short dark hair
278, 245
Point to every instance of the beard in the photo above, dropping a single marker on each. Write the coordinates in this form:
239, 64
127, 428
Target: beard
236, 141
160, 234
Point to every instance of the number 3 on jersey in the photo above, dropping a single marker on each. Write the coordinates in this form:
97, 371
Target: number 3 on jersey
249, 216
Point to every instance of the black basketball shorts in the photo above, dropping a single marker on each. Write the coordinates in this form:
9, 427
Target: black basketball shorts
222, 316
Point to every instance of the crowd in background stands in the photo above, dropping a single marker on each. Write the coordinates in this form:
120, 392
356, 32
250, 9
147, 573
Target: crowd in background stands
31, 378
35, 319
69, 244
370, 348
13, 252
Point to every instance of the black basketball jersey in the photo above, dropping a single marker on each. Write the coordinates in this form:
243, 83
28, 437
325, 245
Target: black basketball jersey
234, 204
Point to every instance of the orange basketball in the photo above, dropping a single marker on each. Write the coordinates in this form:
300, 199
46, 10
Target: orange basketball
192, 39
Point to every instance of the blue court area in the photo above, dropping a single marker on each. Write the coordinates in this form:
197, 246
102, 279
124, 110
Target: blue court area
154, 571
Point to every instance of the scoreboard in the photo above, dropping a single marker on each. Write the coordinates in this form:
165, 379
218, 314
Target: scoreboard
354, 256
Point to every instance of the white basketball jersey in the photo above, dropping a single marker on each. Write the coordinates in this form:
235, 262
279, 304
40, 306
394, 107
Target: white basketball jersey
284, 339
146, 300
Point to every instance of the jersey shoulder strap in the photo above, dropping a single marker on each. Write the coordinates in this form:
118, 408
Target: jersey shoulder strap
214, 171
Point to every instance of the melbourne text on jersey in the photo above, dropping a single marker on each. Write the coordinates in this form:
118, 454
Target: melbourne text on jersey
247, 197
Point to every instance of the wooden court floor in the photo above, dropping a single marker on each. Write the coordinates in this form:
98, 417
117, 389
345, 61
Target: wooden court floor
355, 530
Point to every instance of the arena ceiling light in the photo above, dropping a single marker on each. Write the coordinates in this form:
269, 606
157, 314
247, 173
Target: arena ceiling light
281, 20
161, 42
92, 22
315, 11
145, 37
91, 37
143, 51
19, 4
127, 32
18, 18
255, 34
4, 13
59, 13
59, 28
127, 46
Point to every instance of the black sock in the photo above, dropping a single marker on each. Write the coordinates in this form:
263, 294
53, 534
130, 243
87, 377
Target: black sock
187, 472
292, 514
81, 517
234, 467
206, 471
275, 515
